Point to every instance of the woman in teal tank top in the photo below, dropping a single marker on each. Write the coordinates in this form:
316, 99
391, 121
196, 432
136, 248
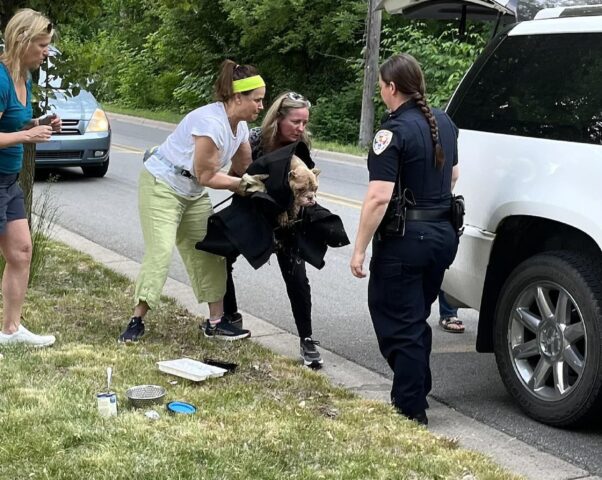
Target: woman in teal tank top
26, 40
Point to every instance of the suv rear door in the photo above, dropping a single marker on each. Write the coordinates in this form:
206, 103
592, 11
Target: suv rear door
450, 9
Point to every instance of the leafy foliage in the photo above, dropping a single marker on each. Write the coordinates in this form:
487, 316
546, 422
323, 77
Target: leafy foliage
164, 54
444, 56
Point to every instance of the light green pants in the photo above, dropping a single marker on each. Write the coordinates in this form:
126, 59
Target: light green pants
169, 219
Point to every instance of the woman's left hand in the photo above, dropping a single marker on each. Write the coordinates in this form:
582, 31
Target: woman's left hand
357, 264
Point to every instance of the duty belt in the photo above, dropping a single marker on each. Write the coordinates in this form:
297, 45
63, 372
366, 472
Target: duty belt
426, 215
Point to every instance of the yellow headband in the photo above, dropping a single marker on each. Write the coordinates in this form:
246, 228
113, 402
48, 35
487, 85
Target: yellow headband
246, 84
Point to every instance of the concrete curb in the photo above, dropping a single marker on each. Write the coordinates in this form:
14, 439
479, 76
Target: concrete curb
336, 156
509, 452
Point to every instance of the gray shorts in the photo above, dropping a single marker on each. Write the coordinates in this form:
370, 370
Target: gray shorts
12, 202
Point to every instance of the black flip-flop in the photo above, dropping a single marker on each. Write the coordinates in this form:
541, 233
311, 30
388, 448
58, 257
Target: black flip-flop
445, 323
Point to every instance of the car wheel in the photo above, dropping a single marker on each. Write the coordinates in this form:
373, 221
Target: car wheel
96, 171
548, 337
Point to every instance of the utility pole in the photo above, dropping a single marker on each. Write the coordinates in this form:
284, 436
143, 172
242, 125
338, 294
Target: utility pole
373, 24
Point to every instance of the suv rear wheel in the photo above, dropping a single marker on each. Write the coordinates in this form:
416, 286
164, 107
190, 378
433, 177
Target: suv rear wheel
548, 337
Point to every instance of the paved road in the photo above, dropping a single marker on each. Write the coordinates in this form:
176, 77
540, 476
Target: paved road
105, 211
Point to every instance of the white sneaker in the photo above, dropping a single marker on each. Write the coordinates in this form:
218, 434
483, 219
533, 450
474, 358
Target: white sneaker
26, 337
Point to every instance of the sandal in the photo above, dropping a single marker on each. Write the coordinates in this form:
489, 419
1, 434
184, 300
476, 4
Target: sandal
451, 324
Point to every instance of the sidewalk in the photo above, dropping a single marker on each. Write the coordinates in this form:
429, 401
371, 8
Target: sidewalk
507, 451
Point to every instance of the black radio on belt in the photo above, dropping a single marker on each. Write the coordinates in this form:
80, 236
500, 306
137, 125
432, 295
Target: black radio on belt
458, 209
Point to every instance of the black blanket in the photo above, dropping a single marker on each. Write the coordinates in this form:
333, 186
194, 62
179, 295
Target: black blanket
249, 225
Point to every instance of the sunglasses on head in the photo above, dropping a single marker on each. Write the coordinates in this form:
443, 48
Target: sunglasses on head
49, 28
297, 97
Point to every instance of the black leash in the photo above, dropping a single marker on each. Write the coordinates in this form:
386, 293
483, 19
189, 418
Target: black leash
223, 201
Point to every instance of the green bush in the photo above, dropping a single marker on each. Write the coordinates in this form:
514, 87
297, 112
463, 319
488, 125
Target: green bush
137, 82
193, 91
336, 115
444, 57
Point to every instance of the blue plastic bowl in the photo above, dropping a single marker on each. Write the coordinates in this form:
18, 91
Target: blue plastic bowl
181, 408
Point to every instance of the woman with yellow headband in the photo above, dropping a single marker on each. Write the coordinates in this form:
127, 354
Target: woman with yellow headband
174, 203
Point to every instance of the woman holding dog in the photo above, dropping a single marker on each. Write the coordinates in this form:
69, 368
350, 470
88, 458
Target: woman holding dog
285, 122
410, 173
26, 40
174, 203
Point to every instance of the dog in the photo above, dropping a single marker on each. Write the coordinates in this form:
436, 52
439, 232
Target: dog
303, 183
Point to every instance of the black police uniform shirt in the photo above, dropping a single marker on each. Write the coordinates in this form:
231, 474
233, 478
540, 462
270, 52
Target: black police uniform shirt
404, 139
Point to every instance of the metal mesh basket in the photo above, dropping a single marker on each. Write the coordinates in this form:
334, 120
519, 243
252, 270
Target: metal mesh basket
144, 395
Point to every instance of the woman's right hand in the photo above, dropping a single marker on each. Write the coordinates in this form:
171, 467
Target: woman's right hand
39, 134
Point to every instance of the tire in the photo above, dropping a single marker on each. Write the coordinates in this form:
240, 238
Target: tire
97, 171
551, 363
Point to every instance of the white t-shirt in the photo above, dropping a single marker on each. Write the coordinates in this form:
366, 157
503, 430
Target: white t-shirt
178, 149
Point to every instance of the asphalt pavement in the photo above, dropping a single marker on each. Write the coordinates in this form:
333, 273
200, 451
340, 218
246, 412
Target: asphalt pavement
515, 455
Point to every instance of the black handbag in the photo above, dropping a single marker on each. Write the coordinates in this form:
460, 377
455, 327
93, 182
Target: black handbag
458, 209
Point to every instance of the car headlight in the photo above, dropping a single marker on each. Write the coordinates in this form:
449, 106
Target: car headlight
98, 122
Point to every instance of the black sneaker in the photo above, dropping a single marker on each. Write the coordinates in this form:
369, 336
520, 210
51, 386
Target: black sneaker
224, 331
309, 353
134, 331
234, 319
420, 418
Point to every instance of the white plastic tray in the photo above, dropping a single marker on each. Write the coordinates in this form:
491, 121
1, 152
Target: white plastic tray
190, 369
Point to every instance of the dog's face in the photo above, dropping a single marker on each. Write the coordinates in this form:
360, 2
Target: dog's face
303, 183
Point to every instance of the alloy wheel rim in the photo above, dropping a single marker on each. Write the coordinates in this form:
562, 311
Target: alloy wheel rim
547, 341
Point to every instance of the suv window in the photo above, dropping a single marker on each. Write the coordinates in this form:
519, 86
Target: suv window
545, 86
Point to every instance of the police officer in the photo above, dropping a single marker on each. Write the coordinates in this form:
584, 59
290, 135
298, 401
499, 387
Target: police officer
406, 212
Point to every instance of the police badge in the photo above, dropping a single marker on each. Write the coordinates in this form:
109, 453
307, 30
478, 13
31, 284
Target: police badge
382, 139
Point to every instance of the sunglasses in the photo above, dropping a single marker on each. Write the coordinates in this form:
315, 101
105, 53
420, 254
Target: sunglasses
49, 28
297, 97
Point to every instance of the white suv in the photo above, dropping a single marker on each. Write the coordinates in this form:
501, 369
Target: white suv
530, 260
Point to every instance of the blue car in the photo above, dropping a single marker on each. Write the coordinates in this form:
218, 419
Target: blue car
85, 138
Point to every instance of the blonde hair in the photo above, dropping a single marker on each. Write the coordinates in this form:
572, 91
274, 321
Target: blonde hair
24, 27
280, 108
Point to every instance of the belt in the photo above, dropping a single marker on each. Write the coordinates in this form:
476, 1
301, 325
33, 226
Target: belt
180, 171
427, 215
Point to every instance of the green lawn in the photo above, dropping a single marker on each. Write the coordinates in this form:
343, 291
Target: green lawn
272, 419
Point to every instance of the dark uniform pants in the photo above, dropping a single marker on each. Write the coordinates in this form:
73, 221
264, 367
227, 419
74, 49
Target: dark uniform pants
405, 277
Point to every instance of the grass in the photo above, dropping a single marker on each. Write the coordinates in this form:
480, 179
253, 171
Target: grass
272, 419
174, 117
161, 115
338, 147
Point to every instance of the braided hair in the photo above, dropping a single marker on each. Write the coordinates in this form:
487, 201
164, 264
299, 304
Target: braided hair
405, 72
